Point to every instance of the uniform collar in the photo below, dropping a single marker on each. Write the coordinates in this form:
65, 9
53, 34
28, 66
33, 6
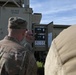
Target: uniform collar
12, 39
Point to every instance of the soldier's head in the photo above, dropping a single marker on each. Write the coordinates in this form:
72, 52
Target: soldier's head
29, 36
17, 27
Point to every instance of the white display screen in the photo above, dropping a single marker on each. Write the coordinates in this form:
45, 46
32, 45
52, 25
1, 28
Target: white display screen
38, 43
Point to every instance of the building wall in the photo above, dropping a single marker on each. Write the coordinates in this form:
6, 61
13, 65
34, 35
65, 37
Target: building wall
58, 28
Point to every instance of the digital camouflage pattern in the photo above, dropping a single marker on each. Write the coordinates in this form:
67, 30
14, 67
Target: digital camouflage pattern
29, 46
12, 57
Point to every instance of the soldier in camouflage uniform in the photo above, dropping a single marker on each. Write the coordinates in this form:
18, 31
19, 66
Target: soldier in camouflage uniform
29, 39
14, 58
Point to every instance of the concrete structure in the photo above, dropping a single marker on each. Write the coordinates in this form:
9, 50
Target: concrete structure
9, 8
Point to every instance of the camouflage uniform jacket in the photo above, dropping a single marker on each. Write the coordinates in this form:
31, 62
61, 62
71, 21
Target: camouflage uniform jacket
61, 58
29, 46
13, 54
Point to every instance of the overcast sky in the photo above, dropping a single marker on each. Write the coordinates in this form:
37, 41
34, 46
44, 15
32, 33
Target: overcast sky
58, 11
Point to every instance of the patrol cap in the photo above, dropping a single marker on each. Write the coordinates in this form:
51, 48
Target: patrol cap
17, 23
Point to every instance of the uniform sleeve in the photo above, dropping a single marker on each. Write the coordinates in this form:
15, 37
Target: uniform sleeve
32, 66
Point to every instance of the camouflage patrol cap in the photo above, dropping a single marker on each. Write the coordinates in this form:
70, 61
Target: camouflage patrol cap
17, 23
